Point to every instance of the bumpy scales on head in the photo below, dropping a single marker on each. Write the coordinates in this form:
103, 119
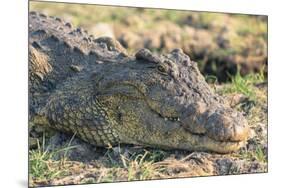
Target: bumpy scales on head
91, 87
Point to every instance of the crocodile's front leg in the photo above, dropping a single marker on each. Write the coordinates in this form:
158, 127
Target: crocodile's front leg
73, 112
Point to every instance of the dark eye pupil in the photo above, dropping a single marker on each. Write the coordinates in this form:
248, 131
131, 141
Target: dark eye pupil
160, 68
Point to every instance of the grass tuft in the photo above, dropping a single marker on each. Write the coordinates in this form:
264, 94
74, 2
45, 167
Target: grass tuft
138, 164
258, 154
245, 85
42, 164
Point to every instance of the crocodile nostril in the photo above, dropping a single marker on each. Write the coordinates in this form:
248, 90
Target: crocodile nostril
216, 122
227, 125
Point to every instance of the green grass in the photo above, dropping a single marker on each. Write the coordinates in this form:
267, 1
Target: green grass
138, 168
245, 85
138, 164
258, 154
42, 164
252, 26
118, 166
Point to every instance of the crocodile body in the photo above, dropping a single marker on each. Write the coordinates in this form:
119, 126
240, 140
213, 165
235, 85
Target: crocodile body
91, 87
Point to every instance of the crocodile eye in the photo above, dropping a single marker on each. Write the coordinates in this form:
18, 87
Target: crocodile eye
162, 69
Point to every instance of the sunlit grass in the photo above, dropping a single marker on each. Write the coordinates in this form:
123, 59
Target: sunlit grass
138, 165
257, 154
42, 165
245, 84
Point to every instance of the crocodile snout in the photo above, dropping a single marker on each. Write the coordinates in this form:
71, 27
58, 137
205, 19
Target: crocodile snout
225, 124
217, 122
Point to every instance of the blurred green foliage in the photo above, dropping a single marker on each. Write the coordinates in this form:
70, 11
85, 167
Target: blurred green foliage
215, 40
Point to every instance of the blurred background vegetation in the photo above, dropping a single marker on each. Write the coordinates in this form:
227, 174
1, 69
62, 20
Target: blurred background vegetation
220, 43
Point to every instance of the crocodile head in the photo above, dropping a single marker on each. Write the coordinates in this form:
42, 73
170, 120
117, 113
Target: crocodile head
165, 102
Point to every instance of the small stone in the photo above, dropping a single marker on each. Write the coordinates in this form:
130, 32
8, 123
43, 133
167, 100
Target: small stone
76, 68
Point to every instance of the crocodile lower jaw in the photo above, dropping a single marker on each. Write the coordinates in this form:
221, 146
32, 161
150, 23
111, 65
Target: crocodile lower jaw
204, 143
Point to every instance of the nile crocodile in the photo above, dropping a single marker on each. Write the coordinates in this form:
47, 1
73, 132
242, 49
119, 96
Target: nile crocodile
91, 87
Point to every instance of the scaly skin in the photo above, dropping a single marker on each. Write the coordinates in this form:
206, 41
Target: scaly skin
87, 86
